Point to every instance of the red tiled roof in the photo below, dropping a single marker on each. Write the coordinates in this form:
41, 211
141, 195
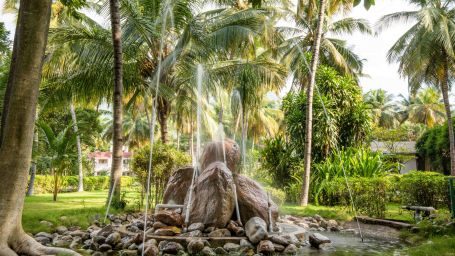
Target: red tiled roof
99, 154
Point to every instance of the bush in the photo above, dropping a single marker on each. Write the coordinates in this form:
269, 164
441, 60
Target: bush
165, 160
277, 195
45, 183
424, 189
352, 162
370, 194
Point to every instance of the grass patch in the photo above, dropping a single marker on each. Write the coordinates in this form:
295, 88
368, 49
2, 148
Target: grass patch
333, 212
441, 246
71, 209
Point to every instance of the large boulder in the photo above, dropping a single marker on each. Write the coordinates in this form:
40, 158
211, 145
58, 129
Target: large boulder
213, 152
253, 200
177, 186
212, 202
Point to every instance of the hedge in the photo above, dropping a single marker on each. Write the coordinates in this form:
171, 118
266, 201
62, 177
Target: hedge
44, 184
371, 195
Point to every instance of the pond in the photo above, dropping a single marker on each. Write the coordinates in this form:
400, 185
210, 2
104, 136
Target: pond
376, 242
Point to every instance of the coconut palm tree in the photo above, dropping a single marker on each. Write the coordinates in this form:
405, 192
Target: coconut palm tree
426, 52
59, 148
427, 108
315, 52
383, 109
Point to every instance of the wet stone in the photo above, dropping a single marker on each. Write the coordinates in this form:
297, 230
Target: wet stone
220, 233
290, 249
231, 247
105, 247
170, 247
195, 246
316, 240
265, 246
207, 251
195, 233
196, 226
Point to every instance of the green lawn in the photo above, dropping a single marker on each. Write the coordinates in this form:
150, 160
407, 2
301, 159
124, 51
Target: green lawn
394, 211
71, 209
441, 246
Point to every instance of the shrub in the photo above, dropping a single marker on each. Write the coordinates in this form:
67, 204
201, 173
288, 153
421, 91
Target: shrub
44, 183
165, 160
277, 195
369, 194
424, 189
352, 162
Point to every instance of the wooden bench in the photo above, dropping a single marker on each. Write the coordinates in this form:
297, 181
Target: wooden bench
420, 212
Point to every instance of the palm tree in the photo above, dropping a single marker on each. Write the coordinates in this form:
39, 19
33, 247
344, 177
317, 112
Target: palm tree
426, 52
59, 149
315, 50
383, 109
117, 138
427, 108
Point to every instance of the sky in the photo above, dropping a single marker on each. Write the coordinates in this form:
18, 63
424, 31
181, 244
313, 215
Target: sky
373, 49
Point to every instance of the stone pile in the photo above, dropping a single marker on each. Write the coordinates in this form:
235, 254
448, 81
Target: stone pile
164, 235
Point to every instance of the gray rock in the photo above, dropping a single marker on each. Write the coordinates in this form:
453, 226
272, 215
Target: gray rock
196, 226
231, 247
46, 223
220, 233
220, 250
290, 249
106, 231
97, 254
195, 233
43, 240
99, 239
195, 246
245, 244
207, 251
78, 233
316, 240
209, 229
113, 239
266, 247
318, 217
170, 247
61, 229
105, 247
158, 225
278, 247
44, 234
128, 253
256, 230
280, 240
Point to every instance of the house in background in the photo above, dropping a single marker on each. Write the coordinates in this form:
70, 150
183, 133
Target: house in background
405, 149
102, 163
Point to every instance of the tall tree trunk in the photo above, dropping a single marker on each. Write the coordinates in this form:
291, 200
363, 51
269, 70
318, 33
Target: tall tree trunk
55, 186
17, 128
31, 183
117, 140
445, 95
309, 109
79, 149
163, 114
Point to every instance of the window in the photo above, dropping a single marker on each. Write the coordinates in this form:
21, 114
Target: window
102, 161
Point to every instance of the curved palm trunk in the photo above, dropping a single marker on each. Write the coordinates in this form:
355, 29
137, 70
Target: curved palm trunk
445, 95
79, 149
17, 128
309, 110
117, 140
